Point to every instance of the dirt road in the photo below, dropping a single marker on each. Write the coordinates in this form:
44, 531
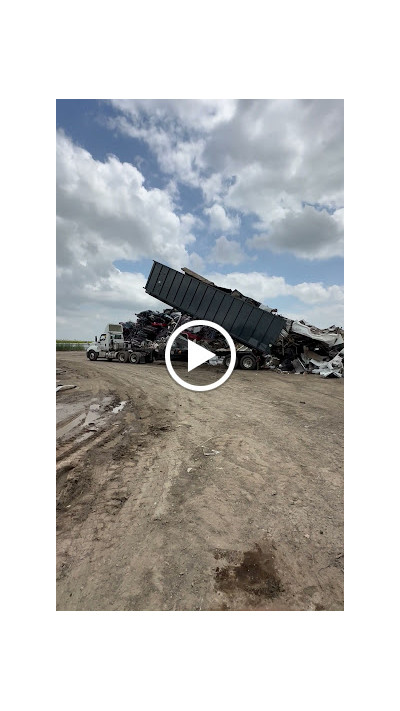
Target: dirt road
176, 500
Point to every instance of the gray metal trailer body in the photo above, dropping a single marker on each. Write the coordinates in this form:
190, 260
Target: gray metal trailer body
254, 327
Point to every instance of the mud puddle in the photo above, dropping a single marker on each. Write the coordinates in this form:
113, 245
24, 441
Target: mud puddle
248, 575
83, 418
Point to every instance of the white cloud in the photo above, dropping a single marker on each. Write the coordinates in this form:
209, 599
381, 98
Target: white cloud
219, 220
261, 286
105, 213
308, 233
258, 157
227, 251
197, 114
277, 150
320, 315
177, 155
195, 262
212, 187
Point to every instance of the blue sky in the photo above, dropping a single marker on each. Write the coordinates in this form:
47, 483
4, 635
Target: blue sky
248, 193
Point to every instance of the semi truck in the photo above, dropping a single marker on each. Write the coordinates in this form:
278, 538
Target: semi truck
111, 346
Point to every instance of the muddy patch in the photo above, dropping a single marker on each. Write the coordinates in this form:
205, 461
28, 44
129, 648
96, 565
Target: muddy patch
72, 482
250, 575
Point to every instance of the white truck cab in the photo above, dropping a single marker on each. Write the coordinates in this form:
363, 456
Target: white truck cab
109, 345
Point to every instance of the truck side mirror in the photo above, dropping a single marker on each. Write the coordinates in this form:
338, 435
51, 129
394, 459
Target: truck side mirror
95, 338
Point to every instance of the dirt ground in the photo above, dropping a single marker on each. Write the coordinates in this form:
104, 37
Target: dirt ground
177, 500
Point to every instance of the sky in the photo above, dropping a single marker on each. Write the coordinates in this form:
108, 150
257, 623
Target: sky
248, 193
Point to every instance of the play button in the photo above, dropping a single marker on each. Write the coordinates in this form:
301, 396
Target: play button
197, 355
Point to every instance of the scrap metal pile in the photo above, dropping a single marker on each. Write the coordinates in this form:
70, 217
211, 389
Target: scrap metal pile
152, 328
302, 348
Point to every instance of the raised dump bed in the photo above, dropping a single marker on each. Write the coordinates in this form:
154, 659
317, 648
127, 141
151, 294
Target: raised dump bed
248, 324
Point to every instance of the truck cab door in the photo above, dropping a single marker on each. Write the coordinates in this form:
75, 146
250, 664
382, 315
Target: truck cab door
103, 343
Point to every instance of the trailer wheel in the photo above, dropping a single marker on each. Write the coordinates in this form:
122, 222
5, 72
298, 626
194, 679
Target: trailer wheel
92, 355
227, 361
248, 362
149, 357
122, 357
134, 357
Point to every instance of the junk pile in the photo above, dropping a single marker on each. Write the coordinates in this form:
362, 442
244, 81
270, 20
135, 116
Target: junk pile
152, 328
302, 348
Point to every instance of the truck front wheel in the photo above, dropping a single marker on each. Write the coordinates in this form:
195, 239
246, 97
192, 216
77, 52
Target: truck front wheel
92, 355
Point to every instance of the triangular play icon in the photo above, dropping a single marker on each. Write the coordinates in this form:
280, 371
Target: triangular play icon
197, 355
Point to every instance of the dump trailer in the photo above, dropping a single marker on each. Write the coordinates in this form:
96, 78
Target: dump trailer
246, 322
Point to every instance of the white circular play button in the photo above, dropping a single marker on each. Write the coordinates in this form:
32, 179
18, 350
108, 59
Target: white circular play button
197, 355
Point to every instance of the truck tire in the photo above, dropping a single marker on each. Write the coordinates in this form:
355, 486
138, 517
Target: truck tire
92, 355
227, 361
122, 357
248, 362
134, 357
149, 357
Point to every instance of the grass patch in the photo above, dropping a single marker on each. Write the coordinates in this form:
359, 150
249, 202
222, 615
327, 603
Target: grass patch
63, 345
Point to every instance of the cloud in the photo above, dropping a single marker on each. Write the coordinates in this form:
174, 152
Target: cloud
227, 251
280, 151
310, 233
178, 154
196, 114
257, 157
261, 286
105, 213
195, 262
109, 201
219, 220
212, 187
